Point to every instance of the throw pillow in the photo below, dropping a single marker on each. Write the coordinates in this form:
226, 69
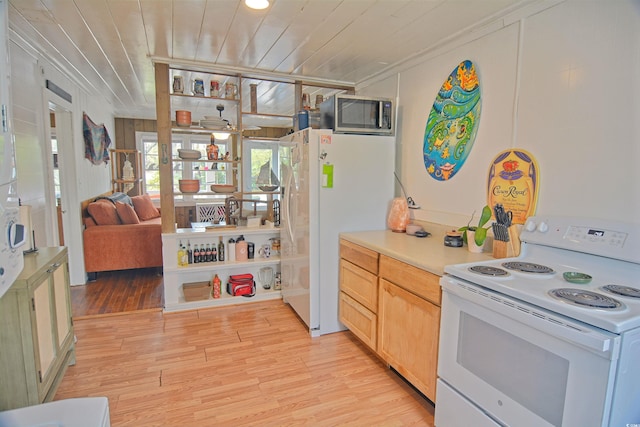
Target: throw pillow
103, 212
126, 213
144, 207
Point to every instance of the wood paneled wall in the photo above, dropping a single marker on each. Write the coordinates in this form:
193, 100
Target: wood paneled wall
125, 135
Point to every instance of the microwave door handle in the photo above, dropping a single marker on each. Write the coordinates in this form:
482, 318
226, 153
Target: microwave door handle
380, 114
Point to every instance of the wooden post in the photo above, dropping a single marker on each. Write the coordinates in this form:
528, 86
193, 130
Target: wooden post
163, 113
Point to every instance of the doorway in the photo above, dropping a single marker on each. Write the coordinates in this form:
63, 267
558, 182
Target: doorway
59, 130
56, 173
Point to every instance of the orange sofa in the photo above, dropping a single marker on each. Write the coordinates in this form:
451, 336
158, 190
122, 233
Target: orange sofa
110, 244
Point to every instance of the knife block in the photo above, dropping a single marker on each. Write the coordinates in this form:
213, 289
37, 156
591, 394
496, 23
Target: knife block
508, 249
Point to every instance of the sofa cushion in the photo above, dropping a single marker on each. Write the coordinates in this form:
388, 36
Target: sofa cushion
117, 197
103, 212
144, 207
126, 213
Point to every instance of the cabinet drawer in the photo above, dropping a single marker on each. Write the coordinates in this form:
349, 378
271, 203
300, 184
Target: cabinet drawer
413, 279
361, 321
360, 256
360, 284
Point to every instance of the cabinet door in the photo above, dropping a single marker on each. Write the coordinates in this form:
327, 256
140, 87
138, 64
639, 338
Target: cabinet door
408, 336
46, 345
62, 307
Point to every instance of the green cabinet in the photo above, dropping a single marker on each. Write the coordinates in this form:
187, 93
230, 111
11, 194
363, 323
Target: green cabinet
36, 330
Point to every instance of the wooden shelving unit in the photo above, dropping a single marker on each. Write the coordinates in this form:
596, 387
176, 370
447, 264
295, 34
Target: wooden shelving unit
120, 183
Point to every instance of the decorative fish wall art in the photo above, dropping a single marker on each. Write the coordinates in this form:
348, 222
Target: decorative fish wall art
453, 122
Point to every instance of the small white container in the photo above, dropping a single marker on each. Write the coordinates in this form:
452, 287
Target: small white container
254, 221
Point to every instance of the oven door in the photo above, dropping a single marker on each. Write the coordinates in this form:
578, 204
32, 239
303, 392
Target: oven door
522, 365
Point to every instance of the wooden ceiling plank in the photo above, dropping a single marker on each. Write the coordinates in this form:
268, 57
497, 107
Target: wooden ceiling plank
187, 24
239, 35
99, 18
315, 37
54, 39
157, 16
281, 16
218, 17
346, 40
130, 28
84, 34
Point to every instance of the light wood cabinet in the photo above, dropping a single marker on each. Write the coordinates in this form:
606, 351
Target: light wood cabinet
408, 336
409, 322
394, 308
36, 330
358, 302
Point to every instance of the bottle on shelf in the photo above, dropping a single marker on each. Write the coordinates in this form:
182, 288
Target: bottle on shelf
207, 254
242, 254
189, 253
232, 249
180, 255
221, 250
196, 254
216, 288
185, 256
214, 253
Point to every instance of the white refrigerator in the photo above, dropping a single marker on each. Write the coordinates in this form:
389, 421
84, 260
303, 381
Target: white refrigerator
332, 183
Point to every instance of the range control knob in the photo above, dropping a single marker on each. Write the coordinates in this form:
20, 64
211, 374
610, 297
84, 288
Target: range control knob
530, 226
543, 227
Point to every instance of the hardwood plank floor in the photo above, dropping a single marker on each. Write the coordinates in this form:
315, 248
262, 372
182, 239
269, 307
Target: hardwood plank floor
118, 292
246, 365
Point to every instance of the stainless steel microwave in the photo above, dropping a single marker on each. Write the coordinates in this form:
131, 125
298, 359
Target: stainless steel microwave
358, 114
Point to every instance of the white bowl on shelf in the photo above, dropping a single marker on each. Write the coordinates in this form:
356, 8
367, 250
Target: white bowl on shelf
214, 124
223, 188
189, 154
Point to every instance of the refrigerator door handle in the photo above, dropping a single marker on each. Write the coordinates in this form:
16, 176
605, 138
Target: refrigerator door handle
287, 210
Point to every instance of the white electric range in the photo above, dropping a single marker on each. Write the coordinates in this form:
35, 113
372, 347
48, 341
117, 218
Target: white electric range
549, 338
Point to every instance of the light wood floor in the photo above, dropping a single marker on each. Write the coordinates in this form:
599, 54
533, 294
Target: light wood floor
246, 365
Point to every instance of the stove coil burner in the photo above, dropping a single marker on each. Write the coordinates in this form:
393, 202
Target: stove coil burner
527, 267
584, 298
625, 291
487, 270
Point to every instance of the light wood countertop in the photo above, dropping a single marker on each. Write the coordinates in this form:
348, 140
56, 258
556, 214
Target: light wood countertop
428, 253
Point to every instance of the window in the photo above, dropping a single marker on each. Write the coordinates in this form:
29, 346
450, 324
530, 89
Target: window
206, 171
258, 153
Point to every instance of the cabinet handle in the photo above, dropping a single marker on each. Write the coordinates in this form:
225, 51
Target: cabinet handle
53, 267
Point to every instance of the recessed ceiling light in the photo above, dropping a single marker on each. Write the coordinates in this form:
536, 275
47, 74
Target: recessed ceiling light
257, 4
